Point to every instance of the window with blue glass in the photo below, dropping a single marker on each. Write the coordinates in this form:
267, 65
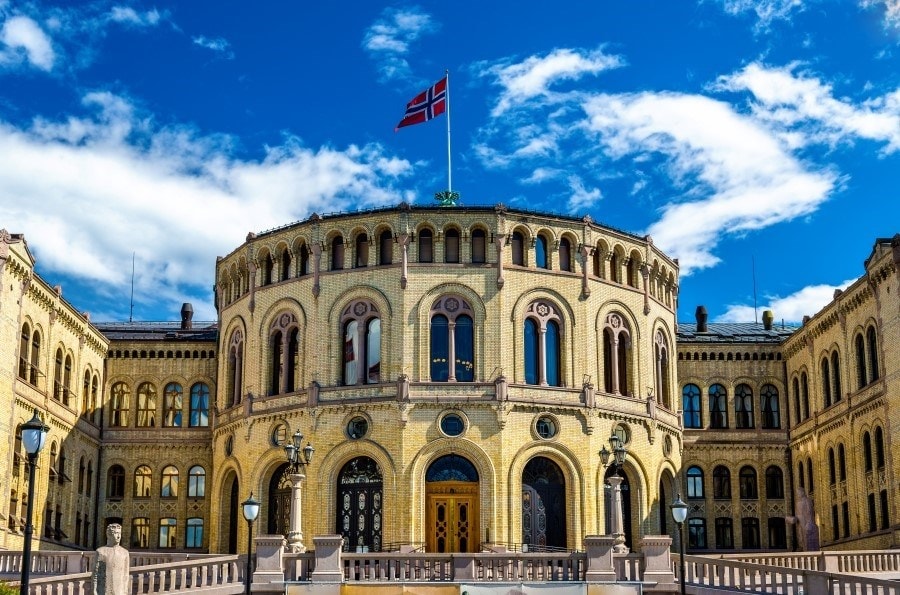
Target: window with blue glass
452, 341
540, 252
690, 404
542, 341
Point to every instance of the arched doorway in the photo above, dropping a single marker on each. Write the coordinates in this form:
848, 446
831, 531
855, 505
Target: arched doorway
228, 515
625, 488
543, 506
663, 508
280, 502
359, 505
451, 500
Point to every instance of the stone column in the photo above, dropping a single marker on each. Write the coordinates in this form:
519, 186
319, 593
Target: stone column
585, 288
295, 535
616, 530
404, 258
317, 268
500, 239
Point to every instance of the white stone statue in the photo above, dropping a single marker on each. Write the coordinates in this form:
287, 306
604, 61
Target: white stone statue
112, 571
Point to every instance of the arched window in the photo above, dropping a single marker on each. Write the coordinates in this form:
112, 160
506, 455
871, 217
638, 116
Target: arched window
451, 246
234, 377
426, 246
747, 478
631, 271
385, 247
115, 483
598, 258
35, 358
661, 373
81, 469
58, 376
169, 486
565, 255
832, 468
809, 476
721, 483
196, 482
285, 264
284, 348
694, 479
337, 253
617, 354
804, 390
199, 411
542, 344
836, 375
771, 416
143, 481
361, 259
872, 338
95, 389
540, 253
690, 405
173, 404
842, 464
615, 267
86, 393
743, 406
718, 406
479, 246
798, 413
774, 483
861, 379
303, 269
67, 380
826, 381
24, 344
879, 448
361, 332
268, 264
801, 477
867, 451
146, 405
517, 247
119, 404
452, 341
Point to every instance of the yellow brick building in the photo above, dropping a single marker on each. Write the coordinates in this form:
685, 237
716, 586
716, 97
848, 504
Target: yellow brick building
457, 371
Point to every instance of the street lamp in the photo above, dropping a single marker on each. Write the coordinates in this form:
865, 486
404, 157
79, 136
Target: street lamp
34, 434
250, 508
679, 513
619, 453
298, 457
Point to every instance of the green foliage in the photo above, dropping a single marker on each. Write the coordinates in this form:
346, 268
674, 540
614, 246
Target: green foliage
6, 589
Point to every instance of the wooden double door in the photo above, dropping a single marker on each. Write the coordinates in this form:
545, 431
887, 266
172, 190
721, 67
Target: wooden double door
451, 517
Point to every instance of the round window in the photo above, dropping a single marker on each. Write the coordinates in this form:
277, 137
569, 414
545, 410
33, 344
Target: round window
546, 427
357, 427
229, 446
279, 435
452, 424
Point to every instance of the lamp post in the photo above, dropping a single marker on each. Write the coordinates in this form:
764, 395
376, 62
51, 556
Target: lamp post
679, 513
250, 508
298, 457
34, 434
619, 453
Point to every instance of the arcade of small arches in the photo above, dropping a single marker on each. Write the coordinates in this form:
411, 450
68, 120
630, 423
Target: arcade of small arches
716, 414
145, 411
453, 347
451, 500
362, 248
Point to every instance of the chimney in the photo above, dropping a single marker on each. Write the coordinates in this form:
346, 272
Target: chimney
701, 319
768, 319
187, 312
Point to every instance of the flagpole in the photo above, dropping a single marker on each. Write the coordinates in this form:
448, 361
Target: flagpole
449, 168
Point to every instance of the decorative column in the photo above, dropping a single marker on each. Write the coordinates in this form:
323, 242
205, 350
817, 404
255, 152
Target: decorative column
451, 351
500, 239
615, 361
616, 528
404, 258
585, 288
295, 535
317, 254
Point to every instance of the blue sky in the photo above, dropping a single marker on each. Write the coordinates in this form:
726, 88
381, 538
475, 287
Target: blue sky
734, 132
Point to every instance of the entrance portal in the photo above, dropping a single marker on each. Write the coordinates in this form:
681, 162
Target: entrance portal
543, 506
451, 506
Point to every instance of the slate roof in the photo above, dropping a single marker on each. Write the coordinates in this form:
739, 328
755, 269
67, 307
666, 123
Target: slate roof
158, 331
734, 332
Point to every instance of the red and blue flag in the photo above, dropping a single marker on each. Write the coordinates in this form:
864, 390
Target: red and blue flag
426, 105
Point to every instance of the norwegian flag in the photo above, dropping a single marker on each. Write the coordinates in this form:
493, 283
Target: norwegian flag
426, 105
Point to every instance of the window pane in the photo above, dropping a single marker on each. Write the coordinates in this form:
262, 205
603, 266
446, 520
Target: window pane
373, 351
351, 352
440, 348
552, 355
199, 405
540, 252
194, 536
465, 349
531, 352
690, 405
479, 251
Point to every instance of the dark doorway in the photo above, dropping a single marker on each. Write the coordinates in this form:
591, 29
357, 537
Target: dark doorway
279, 502
232, 515
543, 506
360, 505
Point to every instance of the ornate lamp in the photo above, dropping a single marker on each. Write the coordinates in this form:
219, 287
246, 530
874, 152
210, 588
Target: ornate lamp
34, 435
679, 513
250, 509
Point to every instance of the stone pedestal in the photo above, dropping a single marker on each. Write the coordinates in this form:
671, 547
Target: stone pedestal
599, 549
328, 559
657, 559
269, 563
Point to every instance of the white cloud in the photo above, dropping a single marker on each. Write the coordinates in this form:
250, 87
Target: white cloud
740, 177
766, 11
534, 76
216, 44
129, 16
891, 11
582, 198
792, 103
388, 39
90, 190
22, 39
792, 308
